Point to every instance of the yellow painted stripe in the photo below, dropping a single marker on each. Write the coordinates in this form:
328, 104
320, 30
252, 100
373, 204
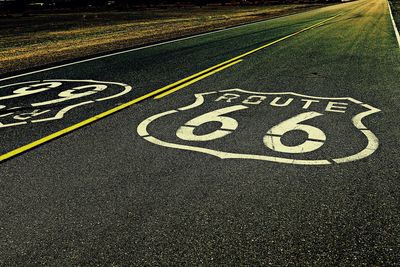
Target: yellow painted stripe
102, 115
238, 58
192, 76
196, 79
146, 96
283, 38
74, 127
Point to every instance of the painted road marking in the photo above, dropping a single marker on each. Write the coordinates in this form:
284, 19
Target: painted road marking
66, 96
76, 126
248, 53
330, 139
396, 31
197, 78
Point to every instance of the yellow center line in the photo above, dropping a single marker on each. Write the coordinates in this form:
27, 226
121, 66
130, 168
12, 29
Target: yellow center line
282, 39
74, 127
174, 87
197, 79
178, 83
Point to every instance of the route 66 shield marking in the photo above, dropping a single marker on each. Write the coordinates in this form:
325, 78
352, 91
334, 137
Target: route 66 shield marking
278, 127
48, 100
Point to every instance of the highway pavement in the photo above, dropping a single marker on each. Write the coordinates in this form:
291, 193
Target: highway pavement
273, 143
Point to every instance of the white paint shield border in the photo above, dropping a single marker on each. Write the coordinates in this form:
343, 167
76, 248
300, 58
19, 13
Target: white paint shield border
371, 147
125, 89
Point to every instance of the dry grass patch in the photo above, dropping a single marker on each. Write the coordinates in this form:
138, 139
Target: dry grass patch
63, 37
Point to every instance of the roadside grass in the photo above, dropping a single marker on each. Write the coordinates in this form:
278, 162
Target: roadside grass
41, 39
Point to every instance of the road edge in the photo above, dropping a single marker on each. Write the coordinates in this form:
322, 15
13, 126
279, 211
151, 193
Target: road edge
74, 61
396, 31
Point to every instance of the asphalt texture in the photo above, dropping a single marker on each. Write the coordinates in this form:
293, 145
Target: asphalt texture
215, 182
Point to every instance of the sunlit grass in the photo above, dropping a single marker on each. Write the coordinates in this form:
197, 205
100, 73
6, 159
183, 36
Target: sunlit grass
55, 38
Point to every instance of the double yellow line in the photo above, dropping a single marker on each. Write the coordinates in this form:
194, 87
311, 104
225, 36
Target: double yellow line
199, 76
159, 93
205, 73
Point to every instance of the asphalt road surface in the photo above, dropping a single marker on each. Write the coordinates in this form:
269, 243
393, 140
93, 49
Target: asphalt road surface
274, 143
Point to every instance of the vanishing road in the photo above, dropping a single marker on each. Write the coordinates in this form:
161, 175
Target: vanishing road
272, 143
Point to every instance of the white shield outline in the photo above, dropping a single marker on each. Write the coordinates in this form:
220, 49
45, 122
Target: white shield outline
371, 147
60, 114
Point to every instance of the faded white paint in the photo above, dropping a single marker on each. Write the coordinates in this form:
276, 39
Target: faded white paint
272, 139
77, 93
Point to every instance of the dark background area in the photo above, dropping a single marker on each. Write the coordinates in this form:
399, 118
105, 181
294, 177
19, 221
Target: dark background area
395, 4
16, 6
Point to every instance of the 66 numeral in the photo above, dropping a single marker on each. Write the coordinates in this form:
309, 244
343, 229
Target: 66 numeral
272, 140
